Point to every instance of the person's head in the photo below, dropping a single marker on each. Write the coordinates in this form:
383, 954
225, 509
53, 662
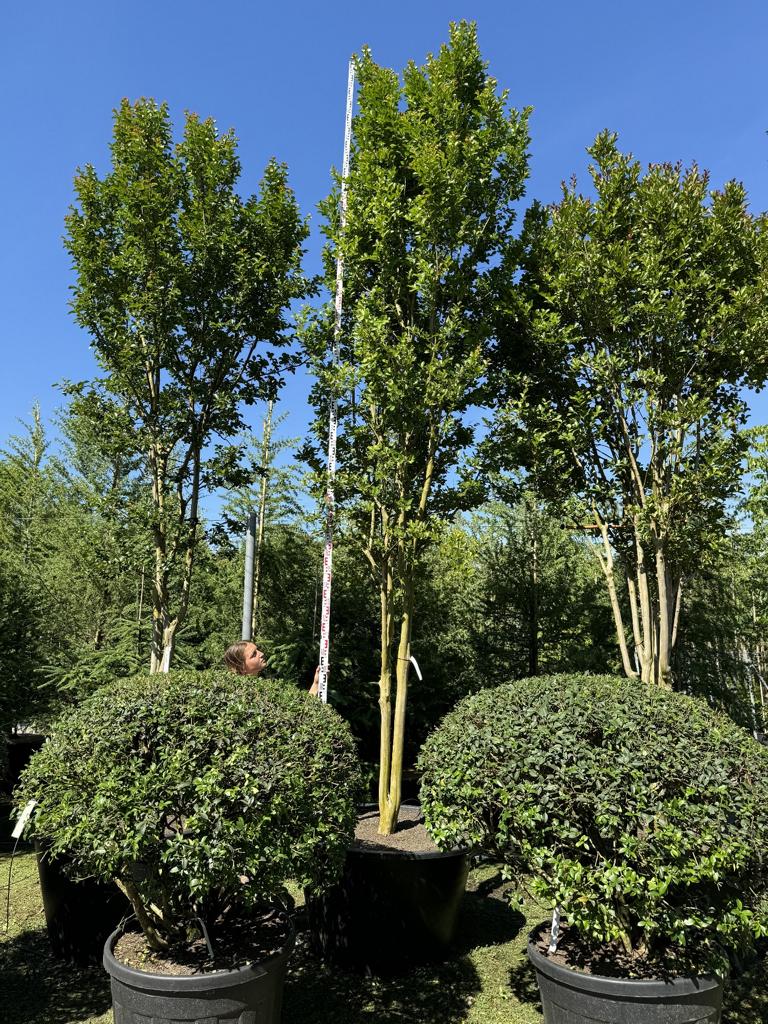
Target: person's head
244, 658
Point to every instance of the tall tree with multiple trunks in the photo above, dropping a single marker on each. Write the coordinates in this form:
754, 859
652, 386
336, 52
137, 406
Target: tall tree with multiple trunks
643, 317
438, 162
184, 287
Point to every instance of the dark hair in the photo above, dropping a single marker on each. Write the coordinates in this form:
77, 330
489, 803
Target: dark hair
234, 656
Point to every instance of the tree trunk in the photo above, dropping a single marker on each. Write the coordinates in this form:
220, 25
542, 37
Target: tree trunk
265, 461
385, 686
667, 590
389, 809
647, 616
533, 623
605, 558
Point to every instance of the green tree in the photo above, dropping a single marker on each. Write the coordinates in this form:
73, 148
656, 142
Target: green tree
541, 604
184, 288
721, 654
73, 541
623, 369
438, 162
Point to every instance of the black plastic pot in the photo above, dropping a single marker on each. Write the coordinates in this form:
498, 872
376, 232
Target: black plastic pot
19, 749
79, 914
572, 997
248, 995
391, 910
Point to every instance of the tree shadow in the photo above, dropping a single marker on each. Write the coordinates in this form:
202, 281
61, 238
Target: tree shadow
522, 982
486, 920
746, 996
435, 994
38, 987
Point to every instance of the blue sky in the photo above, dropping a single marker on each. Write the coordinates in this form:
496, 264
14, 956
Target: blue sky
679, 80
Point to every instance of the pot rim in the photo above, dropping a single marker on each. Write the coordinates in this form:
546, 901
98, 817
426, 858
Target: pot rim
139, 979
624, 988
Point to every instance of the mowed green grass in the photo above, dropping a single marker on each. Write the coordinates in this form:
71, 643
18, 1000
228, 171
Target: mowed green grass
488, 981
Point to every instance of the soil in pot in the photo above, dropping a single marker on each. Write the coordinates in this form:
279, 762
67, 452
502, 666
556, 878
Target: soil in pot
397, 902
242, 982
579, 985
410, 836
235, 943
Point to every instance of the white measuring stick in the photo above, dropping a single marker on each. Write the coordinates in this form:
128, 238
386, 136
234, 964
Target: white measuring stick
333, 417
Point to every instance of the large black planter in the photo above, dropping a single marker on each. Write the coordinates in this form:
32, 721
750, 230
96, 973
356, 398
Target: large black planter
79, 914
248, 995
572, 997
19, 749
391, 910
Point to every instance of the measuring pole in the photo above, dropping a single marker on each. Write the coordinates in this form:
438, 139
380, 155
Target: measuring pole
333, 409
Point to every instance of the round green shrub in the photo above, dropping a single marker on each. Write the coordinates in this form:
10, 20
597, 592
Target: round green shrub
640, 813
181, 786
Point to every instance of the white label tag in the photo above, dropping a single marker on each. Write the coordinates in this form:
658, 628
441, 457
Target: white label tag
416, 666
554, 935
23, 818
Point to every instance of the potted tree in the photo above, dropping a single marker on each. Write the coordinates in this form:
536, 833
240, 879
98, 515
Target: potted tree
641, 817
437, 163
199, 794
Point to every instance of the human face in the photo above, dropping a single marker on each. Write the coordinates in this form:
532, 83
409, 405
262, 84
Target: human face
253, 661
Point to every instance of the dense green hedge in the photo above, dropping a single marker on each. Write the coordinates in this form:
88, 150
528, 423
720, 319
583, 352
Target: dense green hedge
639, 812
179, 785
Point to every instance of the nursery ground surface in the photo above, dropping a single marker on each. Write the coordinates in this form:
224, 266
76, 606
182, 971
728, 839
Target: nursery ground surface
488, 980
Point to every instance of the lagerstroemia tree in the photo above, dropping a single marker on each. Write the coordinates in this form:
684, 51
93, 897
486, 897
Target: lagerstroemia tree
184, 287
438, 161
642, 319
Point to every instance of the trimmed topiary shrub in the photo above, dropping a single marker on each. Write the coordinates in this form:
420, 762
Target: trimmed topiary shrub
640, 813
199, 793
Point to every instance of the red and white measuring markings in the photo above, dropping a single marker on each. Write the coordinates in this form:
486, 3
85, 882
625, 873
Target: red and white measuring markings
333, 409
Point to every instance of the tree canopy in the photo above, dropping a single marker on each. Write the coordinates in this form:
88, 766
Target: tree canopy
640, 319
184, 288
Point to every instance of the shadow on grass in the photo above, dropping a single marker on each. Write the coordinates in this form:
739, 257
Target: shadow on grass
746, 996
486, 920
36, 987
433, 994
441, 994
522, 982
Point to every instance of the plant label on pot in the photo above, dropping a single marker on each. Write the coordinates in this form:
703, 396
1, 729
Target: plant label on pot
23, 818
554, 934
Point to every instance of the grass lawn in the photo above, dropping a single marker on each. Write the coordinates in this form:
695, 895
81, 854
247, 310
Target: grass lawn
488, 981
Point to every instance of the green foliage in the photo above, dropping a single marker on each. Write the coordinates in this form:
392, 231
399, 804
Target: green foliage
20, 700
437, 165
639, 320
639, 812
542, 606
178, 785
184, 287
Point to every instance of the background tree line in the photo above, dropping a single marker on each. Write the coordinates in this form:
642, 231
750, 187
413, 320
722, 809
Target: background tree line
508, 590
609, 515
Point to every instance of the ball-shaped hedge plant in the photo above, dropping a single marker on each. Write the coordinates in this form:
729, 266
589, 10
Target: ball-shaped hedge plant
640, 813
199, 793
